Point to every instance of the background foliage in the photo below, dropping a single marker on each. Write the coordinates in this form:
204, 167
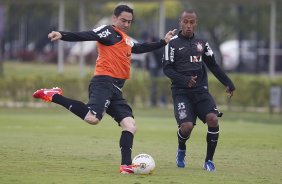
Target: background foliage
251, 90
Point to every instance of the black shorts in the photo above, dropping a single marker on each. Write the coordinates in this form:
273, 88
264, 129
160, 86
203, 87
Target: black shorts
190, 105
105, 97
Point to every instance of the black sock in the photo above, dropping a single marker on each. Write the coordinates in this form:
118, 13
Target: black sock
76, 107
125, 143
181, 140
212, 138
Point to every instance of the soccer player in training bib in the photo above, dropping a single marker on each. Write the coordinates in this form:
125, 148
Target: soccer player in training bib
185, 60
111, 71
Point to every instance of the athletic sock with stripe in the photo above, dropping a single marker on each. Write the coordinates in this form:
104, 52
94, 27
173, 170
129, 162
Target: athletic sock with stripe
212, 138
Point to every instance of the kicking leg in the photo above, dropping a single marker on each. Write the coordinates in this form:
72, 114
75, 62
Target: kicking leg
78, 108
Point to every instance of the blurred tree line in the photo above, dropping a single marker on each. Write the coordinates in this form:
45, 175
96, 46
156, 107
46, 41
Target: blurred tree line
252, 91
26, 23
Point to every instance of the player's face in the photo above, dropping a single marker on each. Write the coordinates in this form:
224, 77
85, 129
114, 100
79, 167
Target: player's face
188, 23
123, 21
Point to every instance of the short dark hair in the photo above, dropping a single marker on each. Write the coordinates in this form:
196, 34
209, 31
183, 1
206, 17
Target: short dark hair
189, 11
122, 8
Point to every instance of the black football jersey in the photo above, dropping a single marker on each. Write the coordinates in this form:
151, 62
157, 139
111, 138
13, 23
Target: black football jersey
187, 57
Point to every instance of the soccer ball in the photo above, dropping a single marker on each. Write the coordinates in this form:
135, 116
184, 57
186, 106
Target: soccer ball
143, 164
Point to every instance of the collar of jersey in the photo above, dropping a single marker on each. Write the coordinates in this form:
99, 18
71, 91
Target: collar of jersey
181, 36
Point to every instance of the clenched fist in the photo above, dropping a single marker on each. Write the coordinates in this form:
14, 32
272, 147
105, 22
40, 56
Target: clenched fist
54, 35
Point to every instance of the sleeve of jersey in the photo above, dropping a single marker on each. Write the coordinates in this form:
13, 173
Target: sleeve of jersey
210, 61
139, 48
79, 36
168, 68
102, 34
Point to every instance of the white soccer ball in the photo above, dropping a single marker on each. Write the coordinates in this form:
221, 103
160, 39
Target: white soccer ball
143, 164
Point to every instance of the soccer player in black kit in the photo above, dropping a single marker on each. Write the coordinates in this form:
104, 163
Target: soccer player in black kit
185, 60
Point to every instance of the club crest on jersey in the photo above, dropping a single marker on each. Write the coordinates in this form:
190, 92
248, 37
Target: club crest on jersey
129, 42
199, 47
195, 59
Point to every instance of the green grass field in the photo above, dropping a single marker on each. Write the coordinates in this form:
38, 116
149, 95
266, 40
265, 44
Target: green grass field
27, 69
53, 146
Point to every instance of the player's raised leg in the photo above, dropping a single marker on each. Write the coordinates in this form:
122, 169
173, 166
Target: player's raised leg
78, 108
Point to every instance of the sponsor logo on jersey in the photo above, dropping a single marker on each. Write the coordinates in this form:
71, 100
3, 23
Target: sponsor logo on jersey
104, 33
195, 59
171, 54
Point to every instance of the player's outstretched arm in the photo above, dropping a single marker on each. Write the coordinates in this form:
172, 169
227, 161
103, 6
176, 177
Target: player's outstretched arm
169, 35
54, 35
139, 48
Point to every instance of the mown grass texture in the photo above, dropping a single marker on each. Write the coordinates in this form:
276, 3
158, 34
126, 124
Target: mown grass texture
53, 146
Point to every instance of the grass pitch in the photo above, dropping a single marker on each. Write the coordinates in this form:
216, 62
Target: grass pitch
53, 146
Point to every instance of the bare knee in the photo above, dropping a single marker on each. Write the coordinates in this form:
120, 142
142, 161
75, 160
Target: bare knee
186, 128
128, 124
91, 119
212, 120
